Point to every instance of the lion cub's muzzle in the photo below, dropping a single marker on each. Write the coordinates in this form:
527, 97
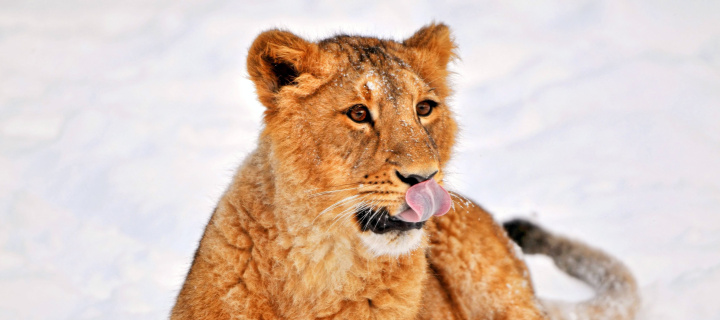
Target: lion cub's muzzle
423, 201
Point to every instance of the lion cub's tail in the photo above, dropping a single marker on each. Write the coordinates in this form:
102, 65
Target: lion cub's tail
616, 295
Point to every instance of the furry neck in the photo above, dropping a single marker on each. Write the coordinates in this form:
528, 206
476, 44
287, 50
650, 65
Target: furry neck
323, 246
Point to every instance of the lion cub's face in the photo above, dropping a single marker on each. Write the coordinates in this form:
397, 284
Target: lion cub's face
360, 127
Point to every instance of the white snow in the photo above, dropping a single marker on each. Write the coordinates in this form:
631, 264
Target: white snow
121, 122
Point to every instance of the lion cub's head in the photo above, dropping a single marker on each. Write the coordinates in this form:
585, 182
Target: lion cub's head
358, 130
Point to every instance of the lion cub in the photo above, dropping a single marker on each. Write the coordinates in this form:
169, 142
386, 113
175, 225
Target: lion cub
341, 213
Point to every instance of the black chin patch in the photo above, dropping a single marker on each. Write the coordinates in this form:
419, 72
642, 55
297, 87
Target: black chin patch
380, 221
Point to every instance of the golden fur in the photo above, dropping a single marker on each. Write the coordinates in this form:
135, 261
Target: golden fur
283, 242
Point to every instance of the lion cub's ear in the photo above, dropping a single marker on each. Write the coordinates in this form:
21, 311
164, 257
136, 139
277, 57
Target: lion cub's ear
276, 59
433, 49
435, 40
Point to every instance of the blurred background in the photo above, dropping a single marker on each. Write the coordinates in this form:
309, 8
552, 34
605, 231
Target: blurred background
121, 123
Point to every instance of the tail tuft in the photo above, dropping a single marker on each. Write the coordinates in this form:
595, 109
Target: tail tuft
616, 293
529, 236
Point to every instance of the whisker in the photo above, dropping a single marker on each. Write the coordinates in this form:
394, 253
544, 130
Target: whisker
342, 185
373, 205
370, 214
335, 205
369, 206
329, 192
348, 212
452, 203
464, 202
352, 208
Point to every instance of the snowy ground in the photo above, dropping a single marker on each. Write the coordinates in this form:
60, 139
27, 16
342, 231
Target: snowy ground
121, 123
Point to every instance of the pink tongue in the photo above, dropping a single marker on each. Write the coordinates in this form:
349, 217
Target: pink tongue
426, 199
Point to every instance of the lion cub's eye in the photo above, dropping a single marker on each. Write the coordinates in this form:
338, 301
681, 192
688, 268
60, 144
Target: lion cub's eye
424, 108
359, 113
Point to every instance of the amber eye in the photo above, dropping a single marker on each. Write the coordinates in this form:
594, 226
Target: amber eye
359, 113
424, 108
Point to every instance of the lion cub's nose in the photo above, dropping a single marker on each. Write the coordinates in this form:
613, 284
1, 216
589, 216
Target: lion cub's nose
413, 179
